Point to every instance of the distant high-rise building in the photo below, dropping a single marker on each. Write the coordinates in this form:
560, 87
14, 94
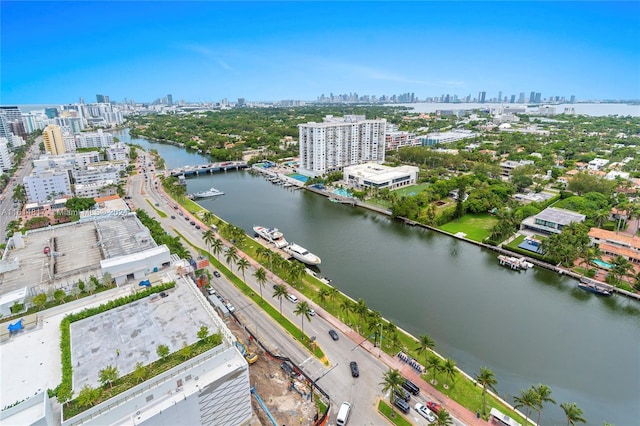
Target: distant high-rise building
51, 112
11, 122
573, 99
521, 98
100, 99
240, 101
500, 96
81, 100
513, 99
532, 97
53, 140
169, 99
338, 142
538, 97
482, 97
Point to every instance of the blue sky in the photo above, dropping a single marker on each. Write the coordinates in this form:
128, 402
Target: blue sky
55, 52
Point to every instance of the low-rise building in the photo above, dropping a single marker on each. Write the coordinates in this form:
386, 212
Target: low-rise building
47, 185
615, 244
507, 167
445, 137
551, 220
373, 175
597, 163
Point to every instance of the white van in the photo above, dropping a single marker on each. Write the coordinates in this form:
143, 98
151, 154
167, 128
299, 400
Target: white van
343, 414
292, 298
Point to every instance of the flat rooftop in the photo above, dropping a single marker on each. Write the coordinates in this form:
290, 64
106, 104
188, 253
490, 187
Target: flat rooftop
77, 249
124, 336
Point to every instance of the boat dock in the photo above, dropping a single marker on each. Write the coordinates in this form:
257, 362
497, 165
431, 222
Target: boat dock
515, 263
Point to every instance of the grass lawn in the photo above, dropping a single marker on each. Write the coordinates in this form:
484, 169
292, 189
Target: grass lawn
398, 419
160, 212
410, 191
477, 227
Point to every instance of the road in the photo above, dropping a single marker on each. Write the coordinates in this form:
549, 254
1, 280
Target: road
335, 379
8, 209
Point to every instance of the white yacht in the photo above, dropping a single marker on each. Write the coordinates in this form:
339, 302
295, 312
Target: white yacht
302, 254
212, 192
273, 235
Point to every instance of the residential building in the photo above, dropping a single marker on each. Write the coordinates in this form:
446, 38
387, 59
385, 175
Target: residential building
373, 175
614, 244
100, 188
396, 139
507, 167
338, 142
118, 152
597, 163
97, 139
47, 185
53, 140
551, 220
94, 174
445, 137
67, 161
6, 157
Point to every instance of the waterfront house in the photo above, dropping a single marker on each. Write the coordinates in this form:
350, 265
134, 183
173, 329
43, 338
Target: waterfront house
615, 244
551, 220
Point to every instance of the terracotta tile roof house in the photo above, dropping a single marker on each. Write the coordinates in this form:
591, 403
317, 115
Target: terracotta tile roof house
613, 244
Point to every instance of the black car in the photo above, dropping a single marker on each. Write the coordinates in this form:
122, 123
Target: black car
192, 223
276, 286
197, 226
403, 394
216, 274
173, 217
355, 372
333, 334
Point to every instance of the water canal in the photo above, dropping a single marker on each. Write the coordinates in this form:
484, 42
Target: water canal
528, 327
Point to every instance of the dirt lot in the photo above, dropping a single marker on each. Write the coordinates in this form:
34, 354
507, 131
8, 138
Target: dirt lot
272, 383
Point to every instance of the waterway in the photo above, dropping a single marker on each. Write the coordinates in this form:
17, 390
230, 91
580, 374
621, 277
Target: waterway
528, 327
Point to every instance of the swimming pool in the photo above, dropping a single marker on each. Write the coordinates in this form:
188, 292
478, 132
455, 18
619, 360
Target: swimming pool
602, 263
342, 192
298, 176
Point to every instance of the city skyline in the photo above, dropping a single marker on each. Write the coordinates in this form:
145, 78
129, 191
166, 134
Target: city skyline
207, 51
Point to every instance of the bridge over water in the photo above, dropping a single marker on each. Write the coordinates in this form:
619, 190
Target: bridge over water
208, 168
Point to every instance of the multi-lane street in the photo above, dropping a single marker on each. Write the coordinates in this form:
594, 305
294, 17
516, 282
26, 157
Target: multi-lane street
335, 378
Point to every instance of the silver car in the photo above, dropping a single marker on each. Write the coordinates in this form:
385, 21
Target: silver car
425, 412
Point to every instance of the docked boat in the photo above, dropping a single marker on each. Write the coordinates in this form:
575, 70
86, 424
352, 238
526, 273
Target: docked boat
212, 192
302, 254
272, 235
595, 287
515, 263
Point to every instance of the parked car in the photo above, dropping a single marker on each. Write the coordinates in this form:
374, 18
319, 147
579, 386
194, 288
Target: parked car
312, 312
211, 290
403, 394
411, 387
292, 298
197, 226
230, 307
216, 274
333, 334
355, 372
402, 405
173, 217
433, 407
424, 412
192, 223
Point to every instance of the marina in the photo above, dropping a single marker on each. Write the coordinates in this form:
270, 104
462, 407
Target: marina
212, 192
595, 287
515, 263
302, 254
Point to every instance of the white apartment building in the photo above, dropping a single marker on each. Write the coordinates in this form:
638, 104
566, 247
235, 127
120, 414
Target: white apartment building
507, 167
396, 139
93, 174
118, 152
6, 157
65, 161
101, 188
597, 163
43, 186
446, 137
97, 139
373, 175
338, 142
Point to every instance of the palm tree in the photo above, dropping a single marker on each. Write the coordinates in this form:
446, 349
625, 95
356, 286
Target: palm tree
208, 238
347, 307
425, 345
332, 293
303, 310
392, 382
621, 268
544, 395
217, 246
486, 379
208, 218
443, 418
449, 370
573, 413
242, 265
232, 255
374, 322
392, 332
322, 294
529, 399
261, 278
295, 271
361, 309
280, 292
435, 364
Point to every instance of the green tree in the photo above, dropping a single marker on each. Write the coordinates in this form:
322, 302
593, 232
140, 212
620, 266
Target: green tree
529, 399
64, 395
374, 324
572, 413
208, 238
544, 395
303, 310
139, 373
39, 300
443, 418
203, 333
392, 382
231, 256
487, 380
59, 295
279, 292
109, 374
361, 309
107, 279
434, 363
185, 351
347, 306
90, 286
242, 265
425, 346
162, 351
261, 277
88, 396
217, 246
449, 370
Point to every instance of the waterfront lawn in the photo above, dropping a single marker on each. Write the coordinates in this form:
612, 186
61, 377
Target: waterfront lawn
411, 191
159, 212
397, 419
476, 227
193, 207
